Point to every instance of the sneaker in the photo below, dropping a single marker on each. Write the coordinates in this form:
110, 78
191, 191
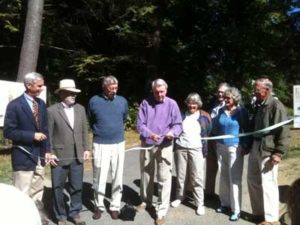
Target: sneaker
200, 210
62, 222
141, 207
160, 221
235, 217
78, 221
222, 209
176, 203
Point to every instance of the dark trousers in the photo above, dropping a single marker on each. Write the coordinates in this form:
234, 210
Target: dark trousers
211, 168
74, 173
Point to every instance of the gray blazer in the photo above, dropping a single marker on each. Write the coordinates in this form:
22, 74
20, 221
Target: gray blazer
67, 143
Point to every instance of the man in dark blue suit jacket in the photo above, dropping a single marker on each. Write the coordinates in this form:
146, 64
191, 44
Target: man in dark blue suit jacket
30, 151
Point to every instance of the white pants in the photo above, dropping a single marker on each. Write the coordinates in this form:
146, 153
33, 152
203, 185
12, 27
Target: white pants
163, 157
230, 161
262, 184
190, 160
31, 182
106, 156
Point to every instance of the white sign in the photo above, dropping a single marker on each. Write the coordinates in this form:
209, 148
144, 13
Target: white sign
9, 91
296, 106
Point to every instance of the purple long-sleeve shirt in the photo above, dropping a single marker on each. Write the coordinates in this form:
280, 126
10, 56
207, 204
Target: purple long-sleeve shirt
158, 118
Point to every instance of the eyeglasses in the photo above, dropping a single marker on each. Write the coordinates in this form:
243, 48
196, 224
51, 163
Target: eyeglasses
259, 90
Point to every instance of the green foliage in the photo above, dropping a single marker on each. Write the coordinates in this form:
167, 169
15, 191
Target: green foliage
5, 168
130, 123
292, 153
193, 45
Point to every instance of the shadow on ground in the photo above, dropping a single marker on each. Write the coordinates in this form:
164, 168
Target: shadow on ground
129, 196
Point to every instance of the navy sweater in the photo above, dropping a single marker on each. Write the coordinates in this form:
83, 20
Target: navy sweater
107, 118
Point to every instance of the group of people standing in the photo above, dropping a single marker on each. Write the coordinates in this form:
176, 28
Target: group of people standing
265, 150
59, 136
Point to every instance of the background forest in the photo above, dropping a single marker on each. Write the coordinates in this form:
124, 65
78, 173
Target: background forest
192, 44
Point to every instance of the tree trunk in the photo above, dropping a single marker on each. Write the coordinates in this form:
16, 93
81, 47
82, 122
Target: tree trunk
31, 40
155, 42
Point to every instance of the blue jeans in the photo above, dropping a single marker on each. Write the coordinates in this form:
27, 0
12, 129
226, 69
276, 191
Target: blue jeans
74, 172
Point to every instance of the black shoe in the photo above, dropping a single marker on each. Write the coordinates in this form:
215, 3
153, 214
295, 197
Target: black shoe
223, 209
257, 218
97, 214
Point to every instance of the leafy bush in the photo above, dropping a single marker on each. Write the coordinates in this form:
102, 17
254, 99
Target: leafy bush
132, 116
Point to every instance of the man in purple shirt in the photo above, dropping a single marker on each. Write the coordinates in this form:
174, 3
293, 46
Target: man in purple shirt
159, 122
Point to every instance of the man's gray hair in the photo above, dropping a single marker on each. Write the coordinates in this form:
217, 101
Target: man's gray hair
194, 98
109, 80
224, 84
31, 77
233, 93
266, 83
159, 82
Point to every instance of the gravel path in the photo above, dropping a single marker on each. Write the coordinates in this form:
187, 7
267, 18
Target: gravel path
183, 215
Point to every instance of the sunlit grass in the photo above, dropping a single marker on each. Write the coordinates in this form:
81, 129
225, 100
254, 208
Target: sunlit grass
5, 169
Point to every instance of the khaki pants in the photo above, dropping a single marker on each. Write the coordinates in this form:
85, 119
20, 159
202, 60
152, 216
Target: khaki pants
108, 156
190, 160
31, 182
162, 156
262, 184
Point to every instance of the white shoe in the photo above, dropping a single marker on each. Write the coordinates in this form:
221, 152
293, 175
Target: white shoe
200, 210
160, 220
141, 207
176, 203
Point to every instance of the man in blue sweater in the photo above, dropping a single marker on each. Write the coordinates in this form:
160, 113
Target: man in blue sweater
108, 112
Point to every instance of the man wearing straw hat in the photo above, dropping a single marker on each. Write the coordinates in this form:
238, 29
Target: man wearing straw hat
68, 132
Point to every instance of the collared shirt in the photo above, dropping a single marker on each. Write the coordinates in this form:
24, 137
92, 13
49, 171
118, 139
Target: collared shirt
69, 110
215, 110
107, 98
29, 100
158, 118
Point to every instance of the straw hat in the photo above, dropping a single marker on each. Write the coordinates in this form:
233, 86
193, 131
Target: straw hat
67, 85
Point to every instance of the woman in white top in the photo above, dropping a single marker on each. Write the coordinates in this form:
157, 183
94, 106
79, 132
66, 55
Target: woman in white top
190, 152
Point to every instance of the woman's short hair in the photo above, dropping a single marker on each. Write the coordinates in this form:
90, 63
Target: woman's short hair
195, 98
233, 93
